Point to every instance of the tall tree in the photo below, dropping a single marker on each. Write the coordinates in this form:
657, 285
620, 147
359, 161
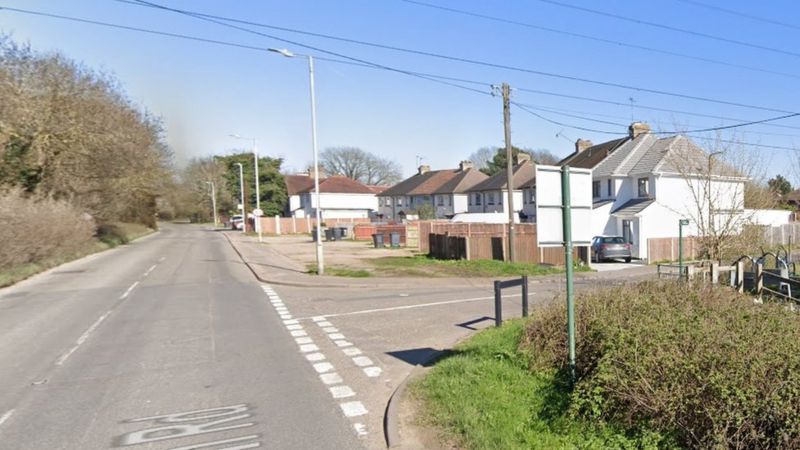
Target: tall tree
779, 185
355, 163
273, 195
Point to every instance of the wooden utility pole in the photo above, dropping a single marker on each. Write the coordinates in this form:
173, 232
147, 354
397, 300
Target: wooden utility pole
509, 170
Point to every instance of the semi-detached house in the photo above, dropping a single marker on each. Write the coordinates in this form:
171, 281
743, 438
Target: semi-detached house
445, 190
491, 195
643, 185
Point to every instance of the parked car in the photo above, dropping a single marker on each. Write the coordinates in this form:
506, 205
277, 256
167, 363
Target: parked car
610, 247
236, 222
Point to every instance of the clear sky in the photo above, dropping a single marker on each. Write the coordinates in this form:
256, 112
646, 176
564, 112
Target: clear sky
204, 92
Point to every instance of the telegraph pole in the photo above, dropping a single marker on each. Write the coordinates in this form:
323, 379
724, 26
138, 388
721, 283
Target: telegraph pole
506, 89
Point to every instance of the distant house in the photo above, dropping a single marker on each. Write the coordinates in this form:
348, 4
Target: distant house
643, 185
445, 190
340, 197
491, 195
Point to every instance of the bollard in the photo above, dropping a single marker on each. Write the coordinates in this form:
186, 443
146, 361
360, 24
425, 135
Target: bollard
759, 278
498, 307
524, 296
740, 276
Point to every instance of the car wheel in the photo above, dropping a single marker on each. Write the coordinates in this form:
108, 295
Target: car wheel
627, 260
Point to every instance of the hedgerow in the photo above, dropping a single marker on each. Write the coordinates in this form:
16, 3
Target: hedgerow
705, 366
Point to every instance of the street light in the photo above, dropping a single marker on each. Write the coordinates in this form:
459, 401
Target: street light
289, 54
257, 212
241, 196
213, 201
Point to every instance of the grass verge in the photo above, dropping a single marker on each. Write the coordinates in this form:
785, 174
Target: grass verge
425, 266
340, 272
483, 396
122, 233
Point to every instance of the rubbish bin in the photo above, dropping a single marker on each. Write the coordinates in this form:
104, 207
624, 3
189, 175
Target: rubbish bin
394, 238
329, 236
338, 233
314, 234
377, 239
343, 231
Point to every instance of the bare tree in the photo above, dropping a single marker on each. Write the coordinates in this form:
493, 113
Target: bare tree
725, 186
352, 162
482, 157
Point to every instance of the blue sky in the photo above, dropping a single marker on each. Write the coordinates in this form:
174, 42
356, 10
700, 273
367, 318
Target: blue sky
205, 92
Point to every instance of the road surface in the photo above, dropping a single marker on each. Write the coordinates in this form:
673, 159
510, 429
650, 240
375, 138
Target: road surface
167, 343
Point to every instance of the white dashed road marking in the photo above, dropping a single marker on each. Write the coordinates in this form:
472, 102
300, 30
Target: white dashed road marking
351, 351
323, 367
341, 391
330, 378
6, 416
373, 371
82, 339
353, 409
362, 361
128, 291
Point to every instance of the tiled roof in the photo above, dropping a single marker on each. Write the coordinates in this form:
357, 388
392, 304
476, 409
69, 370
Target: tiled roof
592, 156
377, 188
298, 183
624, 155
462, 182
632, 207
422, 184
523, 174
340, 185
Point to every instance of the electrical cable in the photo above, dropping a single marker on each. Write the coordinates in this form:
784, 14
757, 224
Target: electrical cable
741, 14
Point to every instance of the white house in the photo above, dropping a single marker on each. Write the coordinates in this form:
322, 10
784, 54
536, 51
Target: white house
445, 190
491, 195
643, 185
294, 185
340, 198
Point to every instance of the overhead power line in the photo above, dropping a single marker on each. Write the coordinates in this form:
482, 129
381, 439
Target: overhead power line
220, 20
741, 14
671, 28
597, 38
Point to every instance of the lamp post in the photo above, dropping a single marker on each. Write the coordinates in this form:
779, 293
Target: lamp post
289, 54
213, 202
681, 223
241, 196
257, 211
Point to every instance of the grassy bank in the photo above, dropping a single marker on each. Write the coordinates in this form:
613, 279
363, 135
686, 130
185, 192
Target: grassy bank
483, 396
340, 271
108, 237
424, 266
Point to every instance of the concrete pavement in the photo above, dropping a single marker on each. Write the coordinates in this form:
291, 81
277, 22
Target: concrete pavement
168, 343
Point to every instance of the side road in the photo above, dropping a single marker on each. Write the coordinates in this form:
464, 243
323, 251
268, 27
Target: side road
272, 266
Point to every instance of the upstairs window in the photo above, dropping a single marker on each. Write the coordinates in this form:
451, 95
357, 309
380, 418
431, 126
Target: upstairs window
609, 187
644, 187
399, 201
478, 199
595, 189
490, 199
440, 200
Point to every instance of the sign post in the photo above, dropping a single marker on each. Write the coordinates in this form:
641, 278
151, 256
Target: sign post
562, 192
566, 212
258, 212
681, 223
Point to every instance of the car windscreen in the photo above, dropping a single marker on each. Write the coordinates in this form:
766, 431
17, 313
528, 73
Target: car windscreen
612, 240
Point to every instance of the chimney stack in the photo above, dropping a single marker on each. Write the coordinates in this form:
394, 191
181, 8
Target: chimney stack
465, 165
638, 128
424, 169
582, 144
522, 157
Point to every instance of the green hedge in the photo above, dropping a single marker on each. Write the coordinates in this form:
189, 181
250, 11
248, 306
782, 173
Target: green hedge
705, 367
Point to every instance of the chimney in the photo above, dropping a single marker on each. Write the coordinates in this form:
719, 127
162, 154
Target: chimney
465, 165
582, 144
522, 157
638, 128
424, 169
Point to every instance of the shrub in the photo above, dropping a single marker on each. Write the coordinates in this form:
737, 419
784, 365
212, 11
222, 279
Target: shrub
704, 364
34, 228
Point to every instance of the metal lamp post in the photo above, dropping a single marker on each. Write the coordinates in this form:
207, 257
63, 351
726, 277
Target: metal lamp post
213, 202
289, 54
681, 223
256, 212
241, 196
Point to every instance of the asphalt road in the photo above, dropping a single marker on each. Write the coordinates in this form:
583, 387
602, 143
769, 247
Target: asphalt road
167, 343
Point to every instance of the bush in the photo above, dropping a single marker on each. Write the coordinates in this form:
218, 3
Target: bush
703, 364
35, 228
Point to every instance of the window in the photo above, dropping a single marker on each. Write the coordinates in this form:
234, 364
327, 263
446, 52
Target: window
500, 198
399, 201
440, 200
478, 199
490, 199
532, 196
642, 183
449, 200
469, 199
609, 187
411, 200
595, 189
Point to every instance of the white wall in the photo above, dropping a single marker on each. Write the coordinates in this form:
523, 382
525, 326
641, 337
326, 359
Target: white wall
602, 222
364, 203
771, 217
460, 203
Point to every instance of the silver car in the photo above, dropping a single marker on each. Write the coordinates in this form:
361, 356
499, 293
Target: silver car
610, 247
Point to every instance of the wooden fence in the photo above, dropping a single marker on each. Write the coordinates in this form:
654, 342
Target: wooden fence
666, 249
490, 241
291, 225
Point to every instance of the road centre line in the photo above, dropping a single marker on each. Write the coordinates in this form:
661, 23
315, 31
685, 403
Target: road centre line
398, 308
82, 339
128, 291
6, 416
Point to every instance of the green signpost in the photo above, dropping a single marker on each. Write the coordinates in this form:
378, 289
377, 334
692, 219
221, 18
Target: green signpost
681, 223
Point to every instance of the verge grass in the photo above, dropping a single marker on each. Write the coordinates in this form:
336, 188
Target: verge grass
483, 396
425, 266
